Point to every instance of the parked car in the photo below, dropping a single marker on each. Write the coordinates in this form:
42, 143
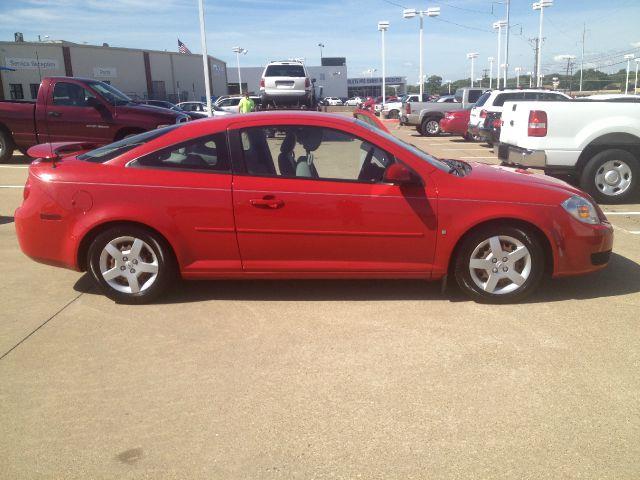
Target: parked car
194, 108
232, 104
426, 116
287, 83
456, 122
193, 115
343, 199
489, 130
494, 101
76, 109
370, 103
353, 102
595, 141
331, 101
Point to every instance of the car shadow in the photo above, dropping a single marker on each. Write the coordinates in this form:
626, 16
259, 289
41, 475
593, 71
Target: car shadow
4, 220
18, 159
621, 277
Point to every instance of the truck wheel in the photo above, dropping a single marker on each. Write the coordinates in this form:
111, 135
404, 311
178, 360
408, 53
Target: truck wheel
611, 176
393, 114
6, 146
430, 127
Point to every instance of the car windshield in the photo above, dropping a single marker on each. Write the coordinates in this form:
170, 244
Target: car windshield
284, 71
407, 146
110, 94
111, 151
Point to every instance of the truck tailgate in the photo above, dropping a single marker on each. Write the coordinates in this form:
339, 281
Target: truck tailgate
515, 118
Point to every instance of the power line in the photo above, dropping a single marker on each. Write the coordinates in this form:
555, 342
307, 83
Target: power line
468, 27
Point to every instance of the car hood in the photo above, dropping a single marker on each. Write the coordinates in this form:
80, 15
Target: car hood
499, 183
150, 110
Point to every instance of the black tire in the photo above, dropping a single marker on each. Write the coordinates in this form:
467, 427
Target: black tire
430, 127
536, 266
166, 265
593, 171
393, 114
6, 146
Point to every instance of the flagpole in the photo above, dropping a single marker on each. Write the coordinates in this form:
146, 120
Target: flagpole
205, 58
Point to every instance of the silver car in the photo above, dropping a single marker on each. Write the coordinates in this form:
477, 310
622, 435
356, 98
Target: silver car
287, 83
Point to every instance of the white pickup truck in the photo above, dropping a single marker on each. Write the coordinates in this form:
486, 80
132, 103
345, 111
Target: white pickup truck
594, 141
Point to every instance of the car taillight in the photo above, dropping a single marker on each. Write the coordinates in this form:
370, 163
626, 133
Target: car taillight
483, 114
262, 82
27, 190
537, 123
407, 108
307, 83
496, 123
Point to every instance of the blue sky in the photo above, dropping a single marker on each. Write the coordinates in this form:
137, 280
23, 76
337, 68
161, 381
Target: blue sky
276, 29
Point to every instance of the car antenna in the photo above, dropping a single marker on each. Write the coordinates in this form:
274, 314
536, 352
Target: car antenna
53, 156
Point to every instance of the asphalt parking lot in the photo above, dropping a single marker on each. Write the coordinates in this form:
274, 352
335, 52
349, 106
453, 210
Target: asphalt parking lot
319, 379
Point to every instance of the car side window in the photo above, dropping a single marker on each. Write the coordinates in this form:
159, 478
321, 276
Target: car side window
71, 95
208, 153
312, 153
474, 95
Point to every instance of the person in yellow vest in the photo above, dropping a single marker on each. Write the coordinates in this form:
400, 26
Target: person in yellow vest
246, 105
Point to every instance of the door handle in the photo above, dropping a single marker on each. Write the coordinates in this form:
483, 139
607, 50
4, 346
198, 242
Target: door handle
54, 114
268, 201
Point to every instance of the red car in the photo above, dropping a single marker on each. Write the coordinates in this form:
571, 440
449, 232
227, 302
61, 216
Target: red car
328, 197
456, 123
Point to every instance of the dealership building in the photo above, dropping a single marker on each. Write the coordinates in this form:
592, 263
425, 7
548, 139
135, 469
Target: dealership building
141, 74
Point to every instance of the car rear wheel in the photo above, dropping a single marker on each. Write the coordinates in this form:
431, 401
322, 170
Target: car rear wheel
611, 176
430, 127
499, 264
131, 265
393, 114
6, 146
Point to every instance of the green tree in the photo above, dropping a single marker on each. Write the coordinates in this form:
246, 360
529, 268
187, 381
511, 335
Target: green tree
433, 84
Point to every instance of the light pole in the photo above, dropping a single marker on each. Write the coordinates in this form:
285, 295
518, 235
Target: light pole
518, 70
530, 79
321, 45
498, 26
409, 13
448, 82
502, 69
205, 58
383, 26
628, 57
472, 56
569, 59
491, 60
238, 51
541, 5
635, 85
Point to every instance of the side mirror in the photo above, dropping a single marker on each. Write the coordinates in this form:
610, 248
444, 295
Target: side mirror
94, 103
398, 174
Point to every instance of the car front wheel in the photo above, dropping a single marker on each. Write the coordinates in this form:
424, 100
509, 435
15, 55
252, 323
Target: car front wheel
130, 264
499, 264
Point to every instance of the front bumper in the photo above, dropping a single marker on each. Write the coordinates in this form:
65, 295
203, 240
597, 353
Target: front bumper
521, 156
583, 248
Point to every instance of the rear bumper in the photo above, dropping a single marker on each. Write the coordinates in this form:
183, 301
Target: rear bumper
522, 156
412, 119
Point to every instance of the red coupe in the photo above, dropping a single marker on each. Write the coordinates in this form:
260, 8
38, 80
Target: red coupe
456, 123
327, 196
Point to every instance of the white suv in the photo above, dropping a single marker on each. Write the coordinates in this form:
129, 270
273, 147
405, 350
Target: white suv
287, 83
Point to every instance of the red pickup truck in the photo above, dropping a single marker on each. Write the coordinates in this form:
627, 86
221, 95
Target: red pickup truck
76, 110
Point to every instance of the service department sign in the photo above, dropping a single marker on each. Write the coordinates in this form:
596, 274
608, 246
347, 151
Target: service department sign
105, 72
32, 63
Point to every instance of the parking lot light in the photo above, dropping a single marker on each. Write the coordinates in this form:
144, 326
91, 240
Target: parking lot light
238, 51
205, 58
409, 13
518, 70
491, 60
383, 26
472, 56
499, 25
628, 57
530, 79
448, 82
635, 84
541, 5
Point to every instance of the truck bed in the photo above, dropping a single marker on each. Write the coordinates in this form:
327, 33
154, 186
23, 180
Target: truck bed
18, 116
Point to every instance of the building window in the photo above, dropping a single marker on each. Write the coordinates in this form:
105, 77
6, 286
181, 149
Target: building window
15, 90
34, 87
322, 76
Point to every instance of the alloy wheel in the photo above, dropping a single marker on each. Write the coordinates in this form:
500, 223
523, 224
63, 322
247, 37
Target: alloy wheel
128, 265
500, 265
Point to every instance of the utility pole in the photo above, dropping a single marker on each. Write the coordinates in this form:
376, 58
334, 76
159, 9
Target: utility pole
534, 44
506, 55
584, 33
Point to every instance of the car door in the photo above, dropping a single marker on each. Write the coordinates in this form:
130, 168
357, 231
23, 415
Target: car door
312, 200
74, 113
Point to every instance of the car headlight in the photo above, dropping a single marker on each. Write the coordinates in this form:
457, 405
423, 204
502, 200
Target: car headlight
581, 209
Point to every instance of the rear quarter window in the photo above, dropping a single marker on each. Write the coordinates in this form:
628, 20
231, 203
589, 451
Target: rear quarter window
483, 99
507, 97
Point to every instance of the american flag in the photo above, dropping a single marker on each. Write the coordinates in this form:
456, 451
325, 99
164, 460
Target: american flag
182, 48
